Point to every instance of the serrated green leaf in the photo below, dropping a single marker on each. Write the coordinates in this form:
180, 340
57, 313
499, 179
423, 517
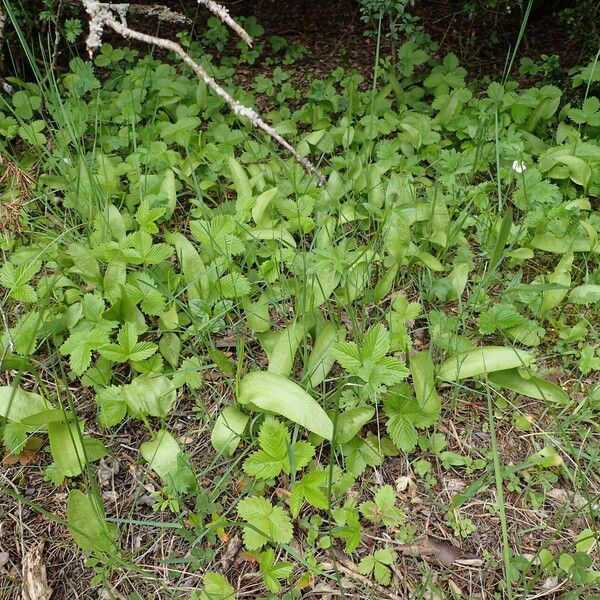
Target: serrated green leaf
216, 587
267, 523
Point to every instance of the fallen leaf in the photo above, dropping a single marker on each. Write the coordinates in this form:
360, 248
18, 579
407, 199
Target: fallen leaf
248, 557
35, 584
24, 458
443, 552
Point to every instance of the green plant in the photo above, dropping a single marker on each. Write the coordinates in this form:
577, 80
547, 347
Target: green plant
168, 262
394, 14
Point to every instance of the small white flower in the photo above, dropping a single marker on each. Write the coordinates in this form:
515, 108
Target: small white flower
519, 166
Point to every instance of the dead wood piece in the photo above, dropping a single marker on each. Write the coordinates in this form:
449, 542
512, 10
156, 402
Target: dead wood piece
35, 583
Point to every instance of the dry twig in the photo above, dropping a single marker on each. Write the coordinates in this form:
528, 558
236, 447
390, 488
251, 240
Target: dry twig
102, 15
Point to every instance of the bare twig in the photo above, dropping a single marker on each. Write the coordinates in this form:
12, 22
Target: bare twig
101, 16
223, 14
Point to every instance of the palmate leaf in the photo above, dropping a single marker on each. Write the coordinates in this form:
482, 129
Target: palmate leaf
377, 564
272, 572
15, 280
348, 355
588, 114
267, 523
274, 457
405, 415
128, 348
368, 361
216, 587
383, 508
84, 339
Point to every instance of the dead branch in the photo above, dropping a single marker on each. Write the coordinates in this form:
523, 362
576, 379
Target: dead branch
101, 15
222, 13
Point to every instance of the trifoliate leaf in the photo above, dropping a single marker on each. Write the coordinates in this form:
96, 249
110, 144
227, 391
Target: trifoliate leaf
216, 587
312, 488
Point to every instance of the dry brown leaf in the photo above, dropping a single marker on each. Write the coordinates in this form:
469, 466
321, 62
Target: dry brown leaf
23, 459
35, 584
443, 552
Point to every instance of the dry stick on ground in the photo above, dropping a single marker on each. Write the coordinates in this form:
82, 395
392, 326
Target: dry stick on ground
101, 15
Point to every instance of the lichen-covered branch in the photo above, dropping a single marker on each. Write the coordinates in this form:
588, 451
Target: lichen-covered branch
223, 14
101, 16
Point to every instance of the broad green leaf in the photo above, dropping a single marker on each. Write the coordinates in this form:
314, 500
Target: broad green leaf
321, 358
161, 454
274, 393
257, 314
261, 205
53, 415
87, 523
228, 430
351, 421
562, 277
151, 396
71, 449
168, 187
421, 369
241, 183
281, 347
266, 523
579, 170
192, 266
17, 404
482, 360
585, 294
531, 385
112, 407
271, 233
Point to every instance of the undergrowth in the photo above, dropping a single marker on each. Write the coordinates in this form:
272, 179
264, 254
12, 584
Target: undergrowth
424, 325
